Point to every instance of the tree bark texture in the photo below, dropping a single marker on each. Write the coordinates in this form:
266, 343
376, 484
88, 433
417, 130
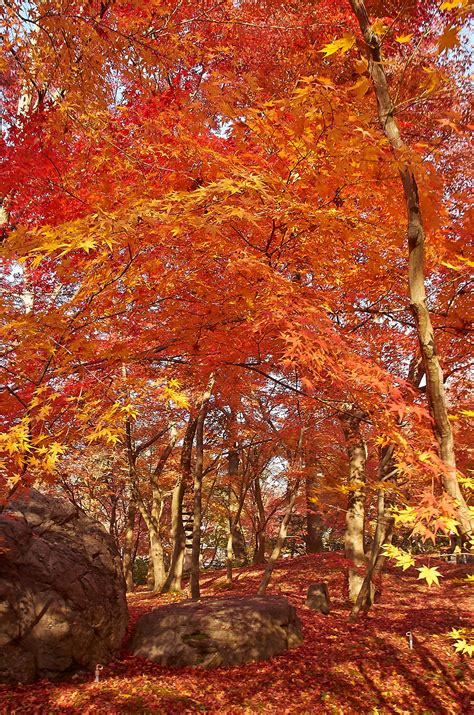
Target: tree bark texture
355, 515
128, 546
233, 470
260, 538
313, 537
157, 559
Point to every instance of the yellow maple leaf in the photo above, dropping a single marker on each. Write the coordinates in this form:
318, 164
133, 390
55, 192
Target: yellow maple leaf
325, 81
379, 27
451, 4
130, 411
87, 244
431, 575
361, 86
361, 65
403, 38
342, 45
449, 39
450, 265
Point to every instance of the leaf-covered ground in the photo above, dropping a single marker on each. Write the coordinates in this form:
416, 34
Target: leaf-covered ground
340, 668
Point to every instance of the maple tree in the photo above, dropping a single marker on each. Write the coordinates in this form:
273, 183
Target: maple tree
205, 269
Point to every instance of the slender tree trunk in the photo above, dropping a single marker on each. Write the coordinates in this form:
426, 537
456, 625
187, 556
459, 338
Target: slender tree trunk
138, 534
313, 537
150, 577
128, 546
156, 546
259, 553
198, 477
113, 520
279, 543
355, 516
383, 533
175, 573
284, 524
197, 514
233, 470
416, 265
151, 514
152, 519
157, 558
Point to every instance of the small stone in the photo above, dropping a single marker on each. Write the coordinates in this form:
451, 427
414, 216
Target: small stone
318, 598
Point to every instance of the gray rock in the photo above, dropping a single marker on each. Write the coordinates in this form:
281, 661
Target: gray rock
62, 593
217, 632
318, 598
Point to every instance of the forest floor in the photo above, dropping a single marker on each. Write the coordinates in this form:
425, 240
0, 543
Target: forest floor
366, 667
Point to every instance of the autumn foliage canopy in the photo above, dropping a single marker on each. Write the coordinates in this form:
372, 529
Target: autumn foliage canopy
210, 294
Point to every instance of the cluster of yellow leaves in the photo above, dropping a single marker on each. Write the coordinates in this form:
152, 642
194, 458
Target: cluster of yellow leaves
17, 439
402, 558
433, 515
108, 423
94, 232
172, 393
37, 452
463, 640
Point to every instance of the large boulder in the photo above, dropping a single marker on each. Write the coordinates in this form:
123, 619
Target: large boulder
62, 593
217, 632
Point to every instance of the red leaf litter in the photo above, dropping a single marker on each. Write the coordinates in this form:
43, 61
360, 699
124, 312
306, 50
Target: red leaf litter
366, 667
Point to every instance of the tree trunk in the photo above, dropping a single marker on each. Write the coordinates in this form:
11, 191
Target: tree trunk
284, 523
233, 470
156, 546
416, 278
128, 546
313, 537
355, 516
197, 513
383, 533
157, 559
259, 553
175, 573
364, 598
150, 577
279, 543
